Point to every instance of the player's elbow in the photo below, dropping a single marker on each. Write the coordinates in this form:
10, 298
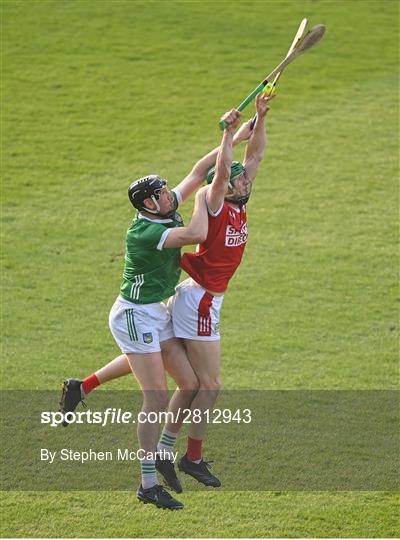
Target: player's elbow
202, 237
190, 236
259, 156
198, 237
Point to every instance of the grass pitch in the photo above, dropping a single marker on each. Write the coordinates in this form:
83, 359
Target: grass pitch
96, 94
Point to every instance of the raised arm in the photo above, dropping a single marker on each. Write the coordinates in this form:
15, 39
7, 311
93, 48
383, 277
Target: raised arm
199, 172
196, 231
216, 193
255, 148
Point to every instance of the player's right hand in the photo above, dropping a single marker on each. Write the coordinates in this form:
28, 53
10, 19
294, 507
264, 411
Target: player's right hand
232, 118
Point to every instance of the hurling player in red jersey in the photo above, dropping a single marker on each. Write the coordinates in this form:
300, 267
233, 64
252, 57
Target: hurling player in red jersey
144, 335
197, 303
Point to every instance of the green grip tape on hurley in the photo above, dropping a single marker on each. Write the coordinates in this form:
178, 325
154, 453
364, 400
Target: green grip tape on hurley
244, 103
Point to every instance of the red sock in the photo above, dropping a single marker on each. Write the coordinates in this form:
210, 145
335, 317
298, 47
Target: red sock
193, 451
90, 383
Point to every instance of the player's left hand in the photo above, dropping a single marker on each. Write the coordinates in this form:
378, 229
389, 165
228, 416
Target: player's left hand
262, 104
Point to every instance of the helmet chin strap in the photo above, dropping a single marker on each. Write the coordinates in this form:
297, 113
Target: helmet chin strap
241, 201
157, 212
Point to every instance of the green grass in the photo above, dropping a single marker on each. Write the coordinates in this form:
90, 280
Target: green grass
96, 94
240, 514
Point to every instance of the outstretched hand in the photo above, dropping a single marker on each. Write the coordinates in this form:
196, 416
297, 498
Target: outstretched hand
262, 104
232, 118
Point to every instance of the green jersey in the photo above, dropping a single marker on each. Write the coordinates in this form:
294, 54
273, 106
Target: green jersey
151, 273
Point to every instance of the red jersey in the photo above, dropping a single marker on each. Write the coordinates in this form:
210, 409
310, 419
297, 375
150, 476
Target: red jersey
213, 265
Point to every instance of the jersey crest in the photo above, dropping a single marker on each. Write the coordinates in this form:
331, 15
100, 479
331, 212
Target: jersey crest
178, 218
148, 337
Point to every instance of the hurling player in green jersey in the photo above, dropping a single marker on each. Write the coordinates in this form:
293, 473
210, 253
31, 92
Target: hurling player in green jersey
139, 319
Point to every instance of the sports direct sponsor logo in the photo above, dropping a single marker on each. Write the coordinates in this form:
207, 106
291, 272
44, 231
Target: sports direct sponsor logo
234, 237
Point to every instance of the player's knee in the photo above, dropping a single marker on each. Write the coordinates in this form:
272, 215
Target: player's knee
210, 383
156, 400
189, 383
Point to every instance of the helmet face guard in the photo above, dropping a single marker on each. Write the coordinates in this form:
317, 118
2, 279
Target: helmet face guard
148, 187
234, 198
237, 169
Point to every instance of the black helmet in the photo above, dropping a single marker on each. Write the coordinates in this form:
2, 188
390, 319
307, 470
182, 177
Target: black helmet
148, 187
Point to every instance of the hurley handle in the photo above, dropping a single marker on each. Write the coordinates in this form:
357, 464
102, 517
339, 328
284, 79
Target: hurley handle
268, 89
244, 103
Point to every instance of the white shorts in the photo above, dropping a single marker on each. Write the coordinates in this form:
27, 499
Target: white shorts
195, 312
140, 328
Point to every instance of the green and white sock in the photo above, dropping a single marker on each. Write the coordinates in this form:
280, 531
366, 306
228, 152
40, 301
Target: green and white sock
166, 444
149, 475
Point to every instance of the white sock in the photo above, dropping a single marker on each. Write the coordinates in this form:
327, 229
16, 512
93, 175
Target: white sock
166, 444
149, 475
